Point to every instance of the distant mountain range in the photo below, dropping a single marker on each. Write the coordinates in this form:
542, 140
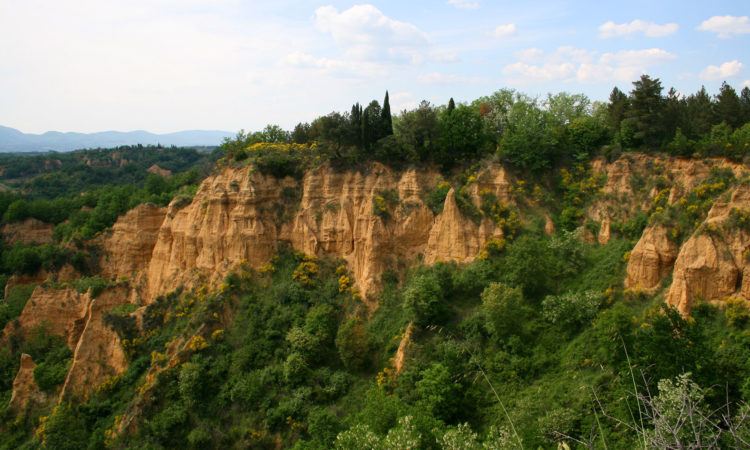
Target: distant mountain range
12, 140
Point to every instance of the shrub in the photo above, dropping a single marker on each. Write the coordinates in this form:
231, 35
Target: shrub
436, 198
352, 344
504, 310
572, 309
424, 301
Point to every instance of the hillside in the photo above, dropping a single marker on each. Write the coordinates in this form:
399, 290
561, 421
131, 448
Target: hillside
453, 277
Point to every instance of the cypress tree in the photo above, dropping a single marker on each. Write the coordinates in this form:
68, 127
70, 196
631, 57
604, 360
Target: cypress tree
355, 124
451, 105
385, 117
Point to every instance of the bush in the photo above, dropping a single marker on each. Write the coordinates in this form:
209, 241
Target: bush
572, 309
352, 344
52, 370
424, 301
436, 198
504, 310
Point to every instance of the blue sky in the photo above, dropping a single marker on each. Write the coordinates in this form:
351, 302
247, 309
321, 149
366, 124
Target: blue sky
166, 65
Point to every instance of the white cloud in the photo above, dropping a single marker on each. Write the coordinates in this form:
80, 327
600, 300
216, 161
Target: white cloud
336, 67
726, 26
529, 54
650, 29
725, 70
464, 4
544, 72
746, 83
446, 78
576, 64
364, 32
505, 30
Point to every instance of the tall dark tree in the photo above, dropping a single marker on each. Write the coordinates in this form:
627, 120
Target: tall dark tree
385, 117
616, 109
745, 104
674, 107
699, 114
355, 125
451, 105
371, 124
301, 133
647, 111
728, 107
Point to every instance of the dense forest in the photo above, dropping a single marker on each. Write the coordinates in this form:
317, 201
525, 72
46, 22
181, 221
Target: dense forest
535, 344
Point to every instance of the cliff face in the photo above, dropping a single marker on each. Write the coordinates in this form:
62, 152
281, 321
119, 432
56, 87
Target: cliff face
30, 231
712, 263
79, 320
241, 216
651, 259
26, 393
128, 247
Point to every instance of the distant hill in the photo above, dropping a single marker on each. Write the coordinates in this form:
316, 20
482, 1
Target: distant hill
12, 140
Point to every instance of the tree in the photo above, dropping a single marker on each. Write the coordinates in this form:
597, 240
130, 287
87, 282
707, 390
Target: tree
438, 393
301, 133
699, 116
617, 108
355, 124
451, 105
728, 107
385, 119
352, 344
745, 104
423, 300
417, 130
565, 108
372, 124
528, 143
504, 310
647, 111
461, 135
681, 418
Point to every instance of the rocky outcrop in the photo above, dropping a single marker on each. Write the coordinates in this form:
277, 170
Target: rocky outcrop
98, 353
651, 259
30, 231
711, 263
240, 215
454, 237
400, 357
156, 170
60, 311
25, 393
128, 247
79, 319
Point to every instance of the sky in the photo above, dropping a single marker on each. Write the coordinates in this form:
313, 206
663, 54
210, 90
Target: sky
169, 65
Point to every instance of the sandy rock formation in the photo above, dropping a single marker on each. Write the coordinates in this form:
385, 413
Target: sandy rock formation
156, 170
400, 357
711, 263
240, 215
78, 319
25, 393
454, 237
98, 353
30, 231
128, 247
60, 311
651, 259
